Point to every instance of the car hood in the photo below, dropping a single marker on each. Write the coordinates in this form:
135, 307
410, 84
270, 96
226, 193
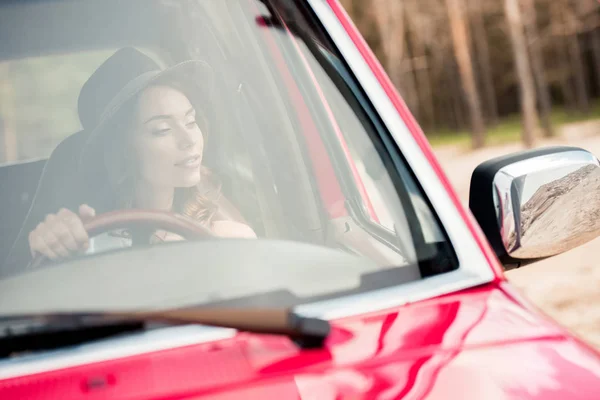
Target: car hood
481, 343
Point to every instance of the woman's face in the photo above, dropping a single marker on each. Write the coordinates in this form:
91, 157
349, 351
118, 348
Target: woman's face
168, 143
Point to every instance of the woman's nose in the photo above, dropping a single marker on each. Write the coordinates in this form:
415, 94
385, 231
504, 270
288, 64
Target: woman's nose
187, 139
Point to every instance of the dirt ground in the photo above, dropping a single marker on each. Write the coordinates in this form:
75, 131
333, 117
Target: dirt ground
567, 286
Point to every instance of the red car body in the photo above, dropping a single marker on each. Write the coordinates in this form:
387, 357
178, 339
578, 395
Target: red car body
484, 342
475, 344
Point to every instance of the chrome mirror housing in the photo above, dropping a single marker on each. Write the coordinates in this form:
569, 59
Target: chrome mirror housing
538, 203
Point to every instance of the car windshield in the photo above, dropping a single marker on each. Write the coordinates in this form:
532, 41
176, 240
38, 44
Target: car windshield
227, 136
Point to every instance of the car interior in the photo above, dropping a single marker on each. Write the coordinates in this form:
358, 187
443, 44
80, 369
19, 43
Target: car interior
266, 168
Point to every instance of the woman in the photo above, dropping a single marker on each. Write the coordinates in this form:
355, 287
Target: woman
148, 136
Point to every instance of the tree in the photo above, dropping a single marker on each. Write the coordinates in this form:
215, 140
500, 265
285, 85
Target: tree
483, 58
421, 62
587, 13
453, 67
526, 82
537, 65
460, 39
574, 51
389, 15
561, 54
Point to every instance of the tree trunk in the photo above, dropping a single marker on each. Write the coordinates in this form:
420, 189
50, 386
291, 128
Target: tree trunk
444, 113
537, 64
588, 12
574, 51
562, 55
583, 102
422, 70
409, 86
389, 15
463, 58
458, 106
595, 42
566, 86
446, 107
483, 57
390, 20
526, 82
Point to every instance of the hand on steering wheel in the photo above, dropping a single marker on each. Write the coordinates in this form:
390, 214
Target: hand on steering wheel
139, 219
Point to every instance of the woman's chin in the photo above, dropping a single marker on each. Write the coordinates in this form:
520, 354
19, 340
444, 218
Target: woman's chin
189, 181
189, 184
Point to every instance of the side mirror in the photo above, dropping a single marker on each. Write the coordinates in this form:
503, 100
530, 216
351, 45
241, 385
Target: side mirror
538, 203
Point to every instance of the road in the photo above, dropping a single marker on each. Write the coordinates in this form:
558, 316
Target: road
567, 286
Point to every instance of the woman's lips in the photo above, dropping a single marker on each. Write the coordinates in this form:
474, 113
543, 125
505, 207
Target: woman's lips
189, 162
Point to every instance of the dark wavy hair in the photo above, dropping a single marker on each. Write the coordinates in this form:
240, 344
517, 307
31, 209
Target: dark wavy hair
198, 202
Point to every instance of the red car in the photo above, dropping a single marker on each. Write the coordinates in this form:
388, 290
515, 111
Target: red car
228, 199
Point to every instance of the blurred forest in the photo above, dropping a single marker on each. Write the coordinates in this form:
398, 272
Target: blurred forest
488, 70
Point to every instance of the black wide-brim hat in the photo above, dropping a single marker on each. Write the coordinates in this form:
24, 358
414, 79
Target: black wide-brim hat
121, 78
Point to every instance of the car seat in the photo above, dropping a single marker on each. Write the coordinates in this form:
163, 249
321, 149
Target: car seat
64, 183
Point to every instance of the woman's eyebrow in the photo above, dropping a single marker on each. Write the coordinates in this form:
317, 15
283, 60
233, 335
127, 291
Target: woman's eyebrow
156, 117
165, 116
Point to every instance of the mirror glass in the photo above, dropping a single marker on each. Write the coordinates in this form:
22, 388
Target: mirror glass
548, 204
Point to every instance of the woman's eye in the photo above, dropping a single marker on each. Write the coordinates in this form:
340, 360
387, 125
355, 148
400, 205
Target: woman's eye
161, 132
192, 124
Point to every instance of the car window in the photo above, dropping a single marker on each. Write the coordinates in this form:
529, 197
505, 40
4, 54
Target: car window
369, 166
250, 124
38, 101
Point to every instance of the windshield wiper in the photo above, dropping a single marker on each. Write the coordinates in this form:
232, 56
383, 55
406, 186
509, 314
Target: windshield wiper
306, 332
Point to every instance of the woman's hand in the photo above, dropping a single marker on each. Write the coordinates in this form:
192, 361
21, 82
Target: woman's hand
232, 229
61, 234
222, 228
